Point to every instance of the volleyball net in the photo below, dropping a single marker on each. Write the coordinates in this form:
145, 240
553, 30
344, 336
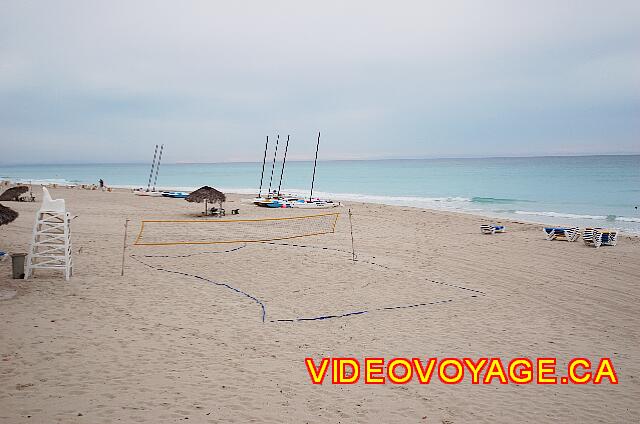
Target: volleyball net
213, 231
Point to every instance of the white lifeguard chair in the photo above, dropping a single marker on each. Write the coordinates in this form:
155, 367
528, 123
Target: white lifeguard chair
51, 241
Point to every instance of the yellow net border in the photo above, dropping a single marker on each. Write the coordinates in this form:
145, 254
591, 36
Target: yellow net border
331, 227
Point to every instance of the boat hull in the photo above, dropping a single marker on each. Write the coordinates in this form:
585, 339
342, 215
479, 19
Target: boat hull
300, 204
315, 205
176, 194
148, 193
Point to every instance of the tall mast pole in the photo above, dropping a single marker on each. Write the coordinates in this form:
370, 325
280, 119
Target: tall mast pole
158, 168
315, 162
153, 165
264, 160
284, 161
275, 154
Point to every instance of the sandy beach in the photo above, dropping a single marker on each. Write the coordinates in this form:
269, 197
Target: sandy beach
167, 342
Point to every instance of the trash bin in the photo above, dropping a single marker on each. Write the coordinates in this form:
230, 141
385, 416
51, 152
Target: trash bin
17, 260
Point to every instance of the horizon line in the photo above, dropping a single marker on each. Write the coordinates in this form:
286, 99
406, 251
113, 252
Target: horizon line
329, 160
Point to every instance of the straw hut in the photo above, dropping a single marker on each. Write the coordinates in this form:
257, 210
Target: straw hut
14, 193
207, 195
7, 215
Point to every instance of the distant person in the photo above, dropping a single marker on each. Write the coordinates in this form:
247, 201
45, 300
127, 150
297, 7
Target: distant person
101, 183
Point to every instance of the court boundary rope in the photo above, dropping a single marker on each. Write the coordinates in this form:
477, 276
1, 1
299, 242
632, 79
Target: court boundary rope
313, 318
374, 263
195, 254
228, 286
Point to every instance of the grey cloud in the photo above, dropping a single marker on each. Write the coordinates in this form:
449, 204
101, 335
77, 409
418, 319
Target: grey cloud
106, 80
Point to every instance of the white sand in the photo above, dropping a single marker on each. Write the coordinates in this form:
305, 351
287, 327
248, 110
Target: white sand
154, 346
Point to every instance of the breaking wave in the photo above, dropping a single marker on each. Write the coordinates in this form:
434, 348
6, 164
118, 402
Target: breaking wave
496, 200
561, 215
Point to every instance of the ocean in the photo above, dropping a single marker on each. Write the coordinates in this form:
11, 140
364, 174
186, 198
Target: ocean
577, 190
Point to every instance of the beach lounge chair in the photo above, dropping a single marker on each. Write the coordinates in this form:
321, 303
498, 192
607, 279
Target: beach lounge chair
492, 228
27, 198
217, 212
597, 237
562, 233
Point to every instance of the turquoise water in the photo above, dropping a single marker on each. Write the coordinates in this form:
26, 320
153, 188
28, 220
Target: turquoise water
584, 190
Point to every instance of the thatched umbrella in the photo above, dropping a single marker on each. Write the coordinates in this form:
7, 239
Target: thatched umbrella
13, 193
206, 194
7, 215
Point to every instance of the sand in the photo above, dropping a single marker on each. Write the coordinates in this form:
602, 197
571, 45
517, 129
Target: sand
157, 346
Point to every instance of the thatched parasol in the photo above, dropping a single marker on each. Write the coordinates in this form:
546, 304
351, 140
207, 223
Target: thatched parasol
7, 215
207, 194
13, 193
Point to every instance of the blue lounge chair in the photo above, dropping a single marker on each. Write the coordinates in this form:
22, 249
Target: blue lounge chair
597, 237
562, 233
492, 228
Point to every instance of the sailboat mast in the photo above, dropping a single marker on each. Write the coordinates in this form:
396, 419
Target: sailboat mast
153, 165
284, 161
155, 180
315, 162
264, 160
275, 154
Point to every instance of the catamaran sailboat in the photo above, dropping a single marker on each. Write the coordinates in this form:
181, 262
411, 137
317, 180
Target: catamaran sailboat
274, 195
147, 193
274, 199
302, 203
313, 203
154, 166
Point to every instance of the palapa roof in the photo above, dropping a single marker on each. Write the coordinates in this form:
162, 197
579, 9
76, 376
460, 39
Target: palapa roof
207, 193
7, 215
12, 194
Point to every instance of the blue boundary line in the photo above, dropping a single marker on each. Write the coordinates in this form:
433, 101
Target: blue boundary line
198, 253
230, 287
347, 314
303, 319
372, 263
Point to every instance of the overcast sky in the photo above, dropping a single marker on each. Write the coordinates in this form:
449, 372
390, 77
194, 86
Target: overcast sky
103, 81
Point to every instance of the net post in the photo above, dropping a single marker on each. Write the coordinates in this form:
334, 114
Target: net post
124, 245
353, 252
